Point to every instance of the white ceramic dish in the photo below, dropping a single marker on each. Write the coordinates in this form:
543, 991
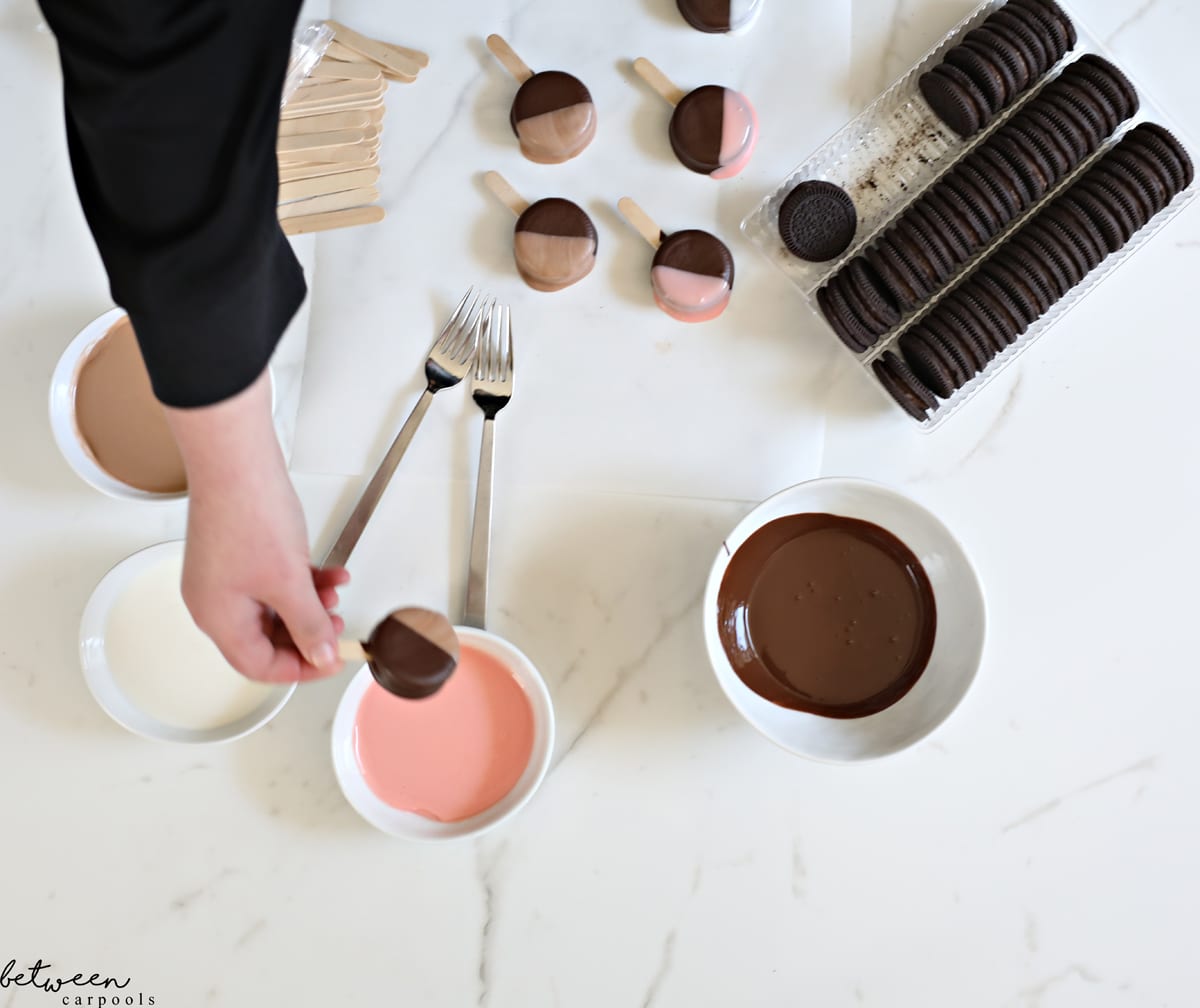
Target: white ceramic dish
409, 825
957, 648
66, 431
103, 683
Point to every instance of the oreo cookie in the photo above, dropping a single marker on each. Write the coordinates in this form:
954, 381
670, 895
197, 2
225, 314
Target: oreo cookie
904, 386
1002, 68
1001, 49
994, 329
979, 200
817, 221
894, 281
956, 328
1099, 69
1054, 11
1042, 19
1103, 213
1158, 139
929, 363
1026, 157
1079, 227
850, 330
1043, 53
983, 72
955, 99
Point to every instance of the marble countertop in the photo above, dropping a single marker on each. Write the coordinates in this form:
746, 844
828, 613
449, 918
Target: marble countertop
1036, 852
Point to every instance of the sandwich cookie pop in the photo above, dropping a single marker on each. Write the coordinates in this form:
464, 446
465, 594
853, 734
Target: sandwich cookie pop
717, 17
553, 114
713, 130
554, 242
692, 272
411, 653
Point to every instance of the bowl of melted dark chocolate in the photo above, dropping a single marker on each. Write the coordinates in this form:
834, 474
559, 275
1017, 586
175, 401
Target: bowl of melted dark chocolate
843, 620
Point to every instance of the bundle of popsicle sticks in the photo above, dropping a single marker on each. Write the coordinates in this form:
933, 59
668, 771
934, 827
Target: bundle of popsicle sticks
329, 133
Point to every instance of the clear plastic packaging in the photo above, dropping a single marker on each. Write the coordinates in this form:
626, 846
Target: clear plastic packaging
891, 153
308, 46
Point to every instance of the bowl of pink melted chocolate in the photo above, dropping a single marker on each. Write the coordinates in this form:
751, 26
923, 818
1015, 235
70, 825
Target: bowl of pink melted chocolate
843, 620
444, 733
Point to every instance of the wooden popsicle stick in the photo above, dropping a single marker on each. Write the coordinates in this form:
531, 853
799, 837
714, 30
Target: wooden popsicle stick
418, 57
308, 141
330, 201
658, 80
389, 76
330, 183
326, 92
325, 123
340, 70
509, 59
337, 51
352, 651
328, 155
334, 219
385, 55
640, 221
505, 193
320, 169
364, 104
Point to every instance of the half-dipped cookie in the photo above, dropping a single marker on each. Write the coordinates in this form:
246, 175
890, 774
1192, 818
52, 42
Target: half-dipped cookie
554, 244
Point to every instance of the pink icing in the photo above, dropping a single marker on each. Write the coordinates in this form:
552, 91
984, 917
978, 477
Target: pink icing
739, 134
689, 297
453, 755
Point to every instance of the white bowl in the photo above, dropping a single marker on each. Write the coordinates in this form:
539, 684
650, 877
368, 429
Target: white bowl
66, 430
409, 825
98, 673
957, 647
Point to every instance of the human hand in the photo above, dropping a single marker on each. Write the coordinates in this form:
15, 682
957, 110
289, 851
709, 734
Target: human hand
247, 580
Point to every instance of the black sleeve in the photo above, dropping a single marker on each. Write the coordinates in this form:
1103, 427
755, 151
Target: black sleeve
172, 110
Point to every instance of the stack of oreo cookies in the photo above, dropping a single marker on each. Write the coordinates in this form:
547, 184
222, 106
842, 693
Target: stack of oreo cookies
1002, 178
996, 63
1035, 267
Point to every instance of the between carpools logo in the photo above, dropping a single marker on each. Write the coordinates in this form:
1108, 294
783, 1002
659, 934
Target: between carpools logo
75, 988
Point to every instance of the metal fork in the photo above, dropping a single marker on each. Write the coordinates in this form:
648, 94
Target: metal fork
491, 389
449, 362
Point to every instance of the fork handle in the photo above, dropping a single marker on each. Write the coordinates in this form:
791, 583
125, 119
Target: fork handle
340, 552
481, 531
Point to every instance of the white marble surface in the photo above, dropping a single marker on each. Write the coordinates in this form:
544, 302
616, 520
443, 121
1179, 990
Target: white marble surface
1037, 852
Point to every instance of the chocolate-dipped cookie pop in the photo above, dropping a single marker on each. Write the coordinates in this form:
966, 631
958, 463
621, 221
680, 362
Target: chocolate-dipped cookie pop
718, 17
692, 272
411, 653
713, 129
554, 242
553, 114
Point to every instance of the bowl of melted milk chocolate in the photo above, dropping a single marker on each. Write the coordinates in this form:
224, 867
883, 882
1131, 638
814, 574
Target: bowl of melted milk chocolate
843, 620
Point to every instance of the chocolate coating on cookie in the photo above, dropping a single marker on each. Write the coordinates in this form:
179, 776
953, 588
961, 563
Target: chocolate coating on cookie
553, 116
554, 244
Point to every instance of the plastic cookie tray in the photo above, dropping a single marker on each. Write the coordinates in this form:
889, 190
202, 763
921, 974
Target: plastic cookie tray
887, 156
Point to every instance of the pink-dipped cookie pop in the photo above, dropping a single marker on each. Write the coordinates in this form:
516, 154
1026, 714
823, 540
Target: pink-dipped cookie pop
692, 272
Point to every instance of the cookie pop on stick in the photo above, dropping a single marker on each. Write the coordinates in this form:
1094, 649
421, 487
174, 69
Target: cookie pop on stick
692, 272
553, 114
554, 242
411, 653
716, 17
713, 130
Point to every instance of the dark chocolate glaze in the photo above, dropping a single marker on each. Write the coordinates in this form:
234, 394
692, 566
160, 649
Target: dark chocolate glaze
559, 217
407, 663
547, 91
696, 126
829, 615
696, 252
710, 16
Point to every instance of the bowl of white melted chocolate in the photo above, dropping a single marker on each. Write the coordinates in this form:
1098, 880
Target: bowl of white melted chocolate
843, 620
